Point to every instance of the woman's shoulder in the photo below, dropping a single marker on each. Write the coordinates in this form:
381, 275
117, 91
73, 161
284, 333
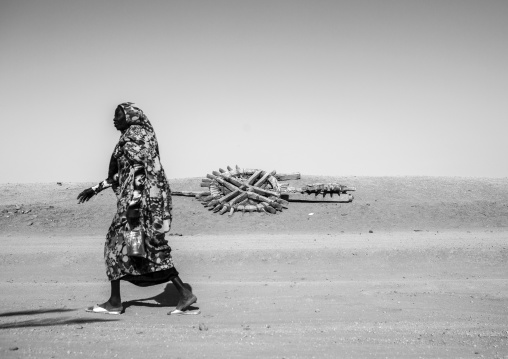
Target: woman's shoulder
136, 132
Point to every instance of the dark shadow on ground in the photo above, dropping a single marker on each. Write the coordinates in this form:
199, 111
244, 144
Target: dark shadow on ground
35, 312
52, 322
168, 298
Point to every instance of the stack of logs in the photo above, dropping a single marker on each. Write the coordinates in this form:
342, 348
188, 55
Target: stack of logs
252, 190
242, 190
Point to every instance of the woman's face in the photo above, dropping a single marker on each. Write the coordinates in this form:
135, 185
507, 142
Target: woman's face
120, 121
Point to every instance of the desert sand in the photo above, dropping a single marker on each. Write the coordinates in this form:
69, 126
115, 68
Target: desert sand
413, 267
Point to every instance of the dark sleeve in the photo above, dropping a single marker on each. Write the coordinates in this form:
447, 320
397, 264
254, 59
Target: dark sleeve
113, 167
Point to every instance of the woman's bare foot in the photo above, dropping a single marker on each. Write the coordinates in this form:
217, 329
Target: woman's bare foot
110, 306
186, 301
105, 308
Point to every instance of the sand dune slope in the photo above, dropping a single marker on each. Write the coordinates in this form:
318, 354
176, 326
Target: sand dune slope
381, 203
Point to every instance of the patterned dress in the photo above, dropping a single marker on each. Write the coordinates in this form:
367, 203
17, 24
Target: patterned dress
137, 152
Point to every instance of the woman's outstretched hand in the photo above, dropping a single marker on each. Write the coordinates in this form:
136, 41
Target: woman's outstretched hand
85, 195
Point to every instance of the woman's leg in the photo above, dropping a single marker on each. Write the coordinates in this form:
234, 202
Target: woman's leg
186, 296
115, 301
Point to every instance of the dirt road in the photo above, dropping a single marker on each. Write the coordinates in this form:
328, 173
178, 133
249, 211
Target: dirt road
384, 294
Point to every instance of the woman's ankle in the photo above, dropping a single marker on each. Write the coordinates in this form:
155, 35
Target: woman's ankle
115, 302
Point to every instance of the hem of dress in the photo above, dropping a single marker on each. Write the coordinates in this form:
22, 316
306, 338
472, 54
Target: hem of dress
150, 278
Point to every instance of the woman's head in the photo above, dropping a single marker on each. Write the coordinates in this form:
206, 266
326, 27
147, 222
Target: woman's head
120, 120
128, 114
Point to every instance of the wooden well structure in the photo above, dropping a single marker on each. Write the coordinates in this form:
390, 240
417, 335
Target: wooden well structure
255, 190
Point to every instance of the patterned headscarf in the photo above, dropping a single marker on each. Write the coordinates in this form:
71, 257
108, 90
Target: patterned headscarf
135, 116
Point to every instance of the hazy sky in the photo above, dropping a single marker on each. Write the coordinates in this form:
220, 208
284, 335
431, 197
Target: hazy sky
318, 87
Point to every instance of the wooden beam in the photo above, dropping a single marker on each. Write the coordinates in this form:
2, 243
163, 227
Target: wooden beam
299, 197
264, 178
222, 182
348, 189
287, 176
253, 178
244, 186
188, 193
263, 192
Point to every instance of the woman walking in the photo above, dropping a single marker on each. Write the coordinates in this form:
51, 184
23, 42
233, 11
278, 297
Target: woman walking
143, 203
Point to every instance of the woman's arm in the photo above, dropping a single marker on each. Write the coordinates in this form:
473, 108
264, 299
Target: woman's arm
108, 182
92, 191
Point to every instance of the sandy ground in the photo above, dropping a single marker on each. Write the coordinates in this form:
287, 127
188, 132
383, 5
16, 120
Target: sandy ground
430, 281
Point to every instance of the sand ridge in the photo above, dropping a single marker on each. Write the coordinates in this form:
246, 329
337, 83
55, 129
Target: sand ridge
381, 203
